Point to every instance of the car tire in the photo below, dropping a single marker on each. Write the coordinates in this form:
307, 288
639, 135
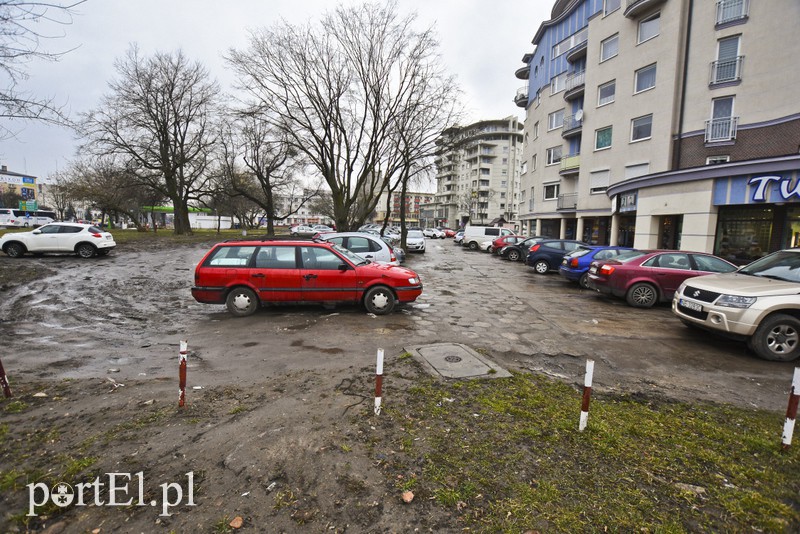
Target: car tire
513, 255
473, 245
642, 295
379, 300
14, 250
85, 250
541, 266
242, 301
583, 281
777, 338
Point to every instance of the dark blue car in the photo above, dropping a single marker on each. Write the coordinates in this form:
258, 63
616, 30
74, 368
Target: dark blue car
546, 255
575, 265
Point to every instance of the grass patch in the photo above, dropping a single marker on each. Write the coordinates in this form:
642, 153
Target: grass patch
506, 456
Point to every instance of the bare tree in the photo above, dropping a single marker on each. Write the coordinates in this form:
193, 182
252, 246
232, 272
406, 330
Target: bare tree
20, 42
340, 91
158, 119
261, 165
59, 194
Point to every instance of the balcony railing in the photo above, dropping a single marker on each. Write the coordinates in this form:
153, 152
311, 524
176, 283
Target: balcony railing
721, 129
567, 201
726, 70
731, 10
572, 124
521, 98
570, 163
576, 79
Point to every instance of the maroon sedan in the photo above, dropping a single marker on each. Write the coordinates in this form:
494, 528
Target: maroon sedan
644, 278
502, 241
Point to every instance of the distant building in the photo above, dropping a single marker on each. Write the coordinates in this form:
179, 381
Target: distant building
413, 201
664, 124
25, 185
477, 173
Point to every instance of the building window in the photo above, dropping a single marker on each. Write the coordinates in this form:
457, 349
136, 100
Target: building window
602, 138
727, 67
558, 83
555, 120
606, 93
611, 6
716, 160
641, 128
551, 192
598, 181
637, 169
723, 125
609, 48
533, 163
554, 155
731, 10
536, 130
649, 27
645, 79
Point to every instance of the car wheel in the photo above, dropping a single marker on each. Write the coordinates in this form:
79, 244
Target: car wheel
541, 266
15, 250
85, 250
583, 281
379, 300
490, 250
777, 338
473, 245
242, 301
642, 295
513, 255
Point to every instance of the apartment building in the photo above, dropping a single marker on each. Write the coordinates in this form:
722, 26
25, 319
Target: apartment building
478, 173
414, 201
664, 124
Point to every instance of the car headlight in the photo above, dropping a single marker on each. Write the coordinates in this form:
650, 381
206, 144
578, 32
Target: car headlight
413, 281
735, 301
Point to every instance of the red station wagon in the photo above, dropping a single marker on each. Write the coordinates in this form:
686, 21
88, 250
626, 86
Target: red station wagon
244, 275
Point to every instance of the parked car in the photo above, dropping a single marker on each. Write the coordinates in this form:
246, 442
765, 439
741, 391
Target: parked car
433, 233
244, 275
575, 265
546, 255
458, 239
475, 235
653, 276
758, 303
303, 230
448, 232
85, 240
415, 241
500, 242
519, 251
368, 246
322, 228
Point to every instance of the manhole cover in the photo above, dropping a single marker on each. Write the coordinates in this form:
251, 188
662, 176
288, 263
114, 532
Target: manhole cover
454, 360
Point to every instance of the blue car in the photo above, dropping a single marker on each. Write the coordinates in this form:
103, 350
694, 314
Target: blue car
575, 265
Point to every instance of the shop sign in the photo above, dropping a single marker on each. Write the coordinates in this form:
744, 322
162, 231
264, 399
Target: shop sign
787, 188
627, 202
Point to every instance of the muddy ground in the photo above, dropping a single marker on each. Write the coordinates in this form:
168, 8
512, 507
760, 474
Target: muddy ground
276, 427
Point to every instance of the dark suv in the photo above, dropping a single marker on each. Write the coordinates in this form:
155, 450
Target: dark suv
546, 255
247, 274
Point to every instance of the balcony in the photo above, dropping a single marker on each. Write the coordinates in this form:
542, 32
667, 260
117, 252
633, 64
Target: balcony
578, 51
573, 124
567, 201
726, 70
732, 11
523, 72
521, 98
721, 129
640, 7
574, 85
570, 165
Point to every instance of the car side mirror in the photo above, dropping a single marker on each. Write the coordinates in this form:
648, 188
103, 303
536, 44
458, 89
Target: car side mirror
37, 231
343, 267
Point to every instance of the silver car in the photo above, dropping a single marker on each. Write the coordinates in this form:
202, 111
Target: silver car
415, 241
368, 246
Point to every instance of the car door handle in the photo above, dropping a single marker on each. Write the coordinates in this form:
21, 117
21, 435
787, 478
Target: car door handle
258, 275
309, 276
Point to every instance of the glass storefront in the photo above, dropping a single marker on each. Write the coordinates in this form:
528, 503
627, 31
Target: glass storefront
744, 233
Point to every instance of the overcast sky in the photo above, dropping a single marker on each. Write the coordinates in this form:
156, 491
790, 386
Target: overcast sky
482, 43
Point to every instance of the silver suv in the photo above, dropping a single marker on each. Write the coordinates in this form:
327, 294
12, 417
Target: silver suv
759, 303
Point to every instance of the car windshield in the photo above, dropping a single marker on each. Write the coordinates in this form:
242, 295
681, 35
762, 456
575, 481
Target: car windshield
415, 233
781, 265
358, 260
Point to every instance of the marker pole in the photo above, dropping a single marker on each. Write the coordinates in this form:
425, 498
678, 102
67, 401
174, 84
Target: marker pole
379, 382
4, 382
587, 394
182, 373
791, 410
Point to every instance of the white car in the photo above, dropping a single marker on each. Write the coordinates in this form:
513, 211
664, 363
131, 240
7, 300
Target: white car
85, 240
303, 230
415, 241
368, 246
486, 245
433, 232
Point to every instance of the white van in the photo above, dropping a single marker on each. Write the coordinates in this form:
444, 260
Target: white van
475, 235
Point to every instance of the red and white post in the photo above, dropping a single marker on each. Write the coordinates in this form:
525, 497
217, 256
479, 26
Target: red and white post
791, 411
182, 373
587, 394
379, 382
4, 382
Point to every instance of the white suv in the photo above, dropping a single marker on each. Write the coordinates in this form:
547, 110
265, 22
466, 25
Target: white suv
759, 303
84, 240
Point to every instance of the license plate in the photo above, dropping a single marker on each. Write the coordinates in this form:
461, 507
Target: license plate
690, 305
593, 269
563, 262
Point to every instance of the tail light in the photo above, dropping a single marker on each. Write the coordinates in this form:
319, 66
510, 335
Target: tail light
392, 257
606, 270
94, 234
573, 262
534, 248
